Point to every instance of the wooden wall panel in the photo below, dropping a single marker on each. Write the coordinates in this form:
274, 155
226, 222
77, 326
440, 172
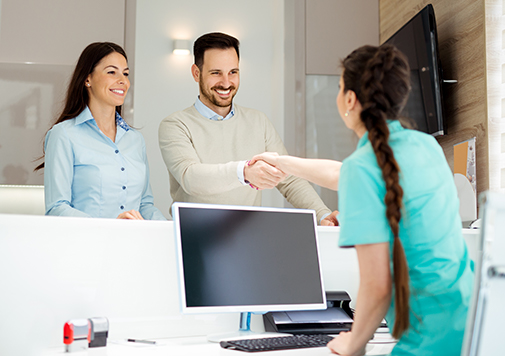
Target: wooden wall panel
461, 38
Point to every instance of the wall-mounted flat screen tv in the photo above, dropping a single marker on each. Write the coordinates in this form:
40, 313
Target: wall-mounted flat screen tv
418, 40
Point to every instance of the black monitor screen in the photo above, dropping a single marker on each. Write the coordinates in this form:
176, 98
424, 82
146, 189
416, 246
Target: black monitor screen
247, 258
417, 39
414, 108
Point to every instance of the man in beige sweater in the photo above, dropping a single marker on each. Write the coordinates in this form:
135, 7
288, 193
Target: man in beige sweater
206, 147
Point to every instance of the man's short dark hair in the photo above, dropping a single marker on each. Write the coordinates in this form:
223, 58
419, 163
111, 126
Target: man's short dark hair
213, 40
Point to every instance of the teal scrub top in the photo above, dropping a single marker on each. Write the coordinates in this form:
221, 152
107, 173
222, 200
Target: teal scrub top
440, 270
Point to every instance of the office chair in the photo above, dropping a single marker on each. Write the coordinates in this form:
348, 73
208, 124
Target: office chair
486, 316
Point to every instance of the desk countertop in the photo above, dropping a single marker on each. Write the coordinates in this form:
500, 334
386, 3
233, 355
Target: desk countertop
195, 346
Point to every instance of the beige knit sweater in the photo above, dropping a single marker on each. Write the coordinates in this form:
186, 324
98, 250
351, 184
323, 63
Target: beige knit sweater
202, 157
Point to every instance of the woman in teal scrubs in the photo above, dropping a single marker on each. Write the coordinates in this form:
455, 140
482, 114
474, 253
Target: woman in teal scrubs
399, 208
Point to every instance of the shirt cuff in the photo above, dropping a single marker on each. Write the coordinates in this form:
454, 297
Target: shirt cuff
240, 172
323, 217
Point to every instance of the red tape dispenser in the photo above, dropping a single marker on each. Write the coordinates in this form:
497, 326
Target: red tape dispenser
79, 334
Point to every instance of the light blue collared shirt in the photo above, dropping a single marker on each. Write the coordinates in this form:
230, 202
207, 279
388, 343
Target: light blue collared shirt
211, 115
206, 112
86, 174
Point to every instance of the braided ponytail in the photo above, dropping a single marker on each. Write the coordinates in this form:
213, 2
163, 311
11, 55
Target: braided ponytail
380, 78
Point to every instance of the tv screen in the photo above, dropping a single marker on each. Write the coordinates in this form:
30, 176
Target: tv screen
417, 39
247, 259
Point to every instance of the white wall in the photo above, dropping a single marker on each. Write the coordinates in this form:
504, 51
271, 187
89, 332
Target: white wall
57, 37
163, 81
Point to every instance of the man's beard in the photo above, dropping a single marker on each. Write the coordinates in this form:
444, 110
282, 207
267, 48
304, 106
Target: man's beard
213, 97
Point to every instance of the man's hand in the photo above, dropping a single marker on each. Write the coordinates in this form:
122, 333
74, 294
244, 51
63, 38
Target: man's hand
261, 175
330, 220
130, 215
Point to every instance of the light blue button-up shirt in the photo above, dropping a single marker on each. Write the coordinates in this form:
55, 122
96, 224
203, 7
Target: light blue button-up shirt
205, 111
86, 174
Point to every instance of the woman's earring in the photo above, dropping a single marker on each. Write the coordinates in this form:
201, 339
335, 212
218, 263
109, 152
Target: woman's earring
347, 113
87, 84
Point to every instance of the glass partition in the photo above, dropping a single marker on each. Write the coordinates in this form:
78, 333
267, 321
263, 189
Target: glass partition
326, 134
31, 95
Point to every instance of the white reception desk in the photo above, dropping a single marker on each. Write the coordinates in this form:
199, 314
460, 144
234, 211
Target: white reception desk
54, 269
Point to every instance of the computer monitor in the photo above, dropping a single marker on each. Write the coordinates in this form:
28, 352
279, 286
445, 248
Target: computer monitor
247, 259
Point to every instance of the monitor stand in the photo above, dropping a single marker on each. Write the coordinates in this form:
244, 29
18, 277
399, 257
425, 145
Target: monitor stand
244, 332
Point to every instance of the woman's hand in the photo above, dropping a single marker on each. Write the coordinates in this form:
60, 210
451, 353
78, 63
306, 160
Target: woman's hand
268, 157
323, 172
262, 175
343, 345
130, 215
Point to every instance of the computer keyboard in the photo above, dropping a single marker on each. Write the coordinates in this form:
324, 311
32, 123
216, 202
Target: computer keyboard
277, 343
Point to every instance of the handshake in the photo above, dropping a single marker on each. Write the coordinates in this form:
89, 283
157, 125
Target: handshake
261, 171
266, 170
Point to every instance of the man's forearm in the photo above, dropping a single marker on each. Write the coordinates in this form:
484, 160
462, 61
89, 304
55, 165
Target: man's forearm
208, 179
301, 195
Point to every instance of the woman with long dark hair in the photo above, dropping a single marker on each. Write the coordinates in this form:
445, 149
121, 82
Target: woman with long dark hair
399, 208
95, 163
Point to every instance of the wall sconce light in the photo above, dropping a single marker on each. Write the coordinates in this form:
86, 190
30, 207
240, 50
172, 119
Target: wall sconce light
181, 47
